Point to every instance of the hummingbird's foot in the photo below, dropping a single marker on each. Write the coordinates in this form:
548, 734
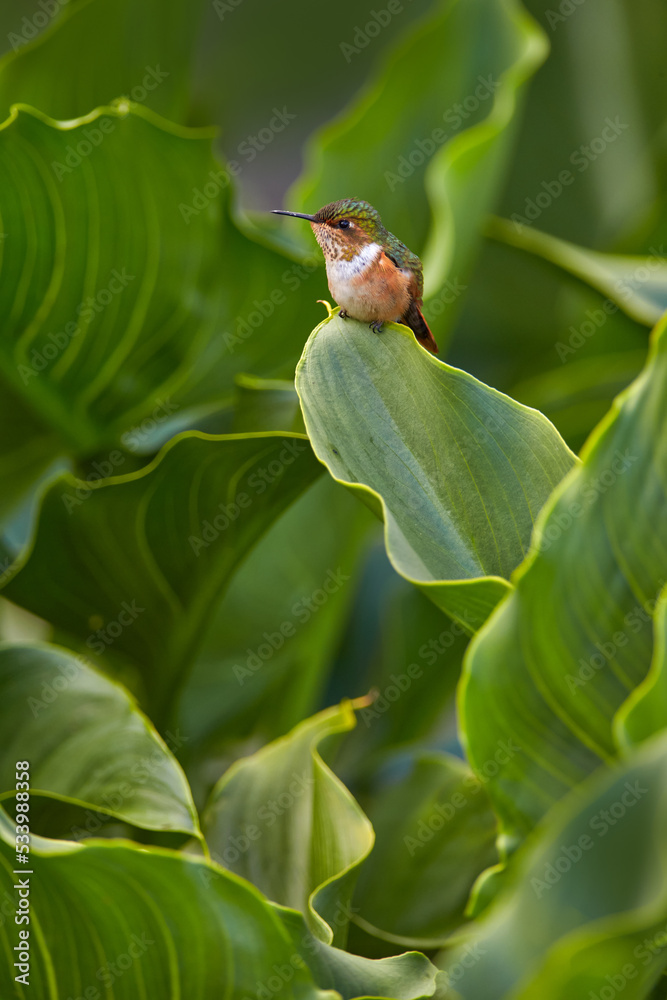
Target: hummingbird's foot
376, 326
343, 314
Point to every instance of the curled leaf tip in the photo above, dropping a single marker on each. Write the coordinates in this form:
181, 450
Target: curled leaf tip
364, 700
327, 306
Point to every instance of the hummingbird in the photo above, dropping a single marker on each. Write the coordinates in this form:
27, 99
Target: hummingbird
372, 275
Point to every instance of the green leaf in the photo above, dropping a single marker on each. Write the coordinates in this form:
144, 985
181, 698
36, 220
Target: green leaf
584, 914
270, 644
140, 298
543, 336
87, 742
419, 654
28, 450
637, 285
406, 977
266, 405
591, 81
429, 149
134, 566
459, 471
577, 395
562, 653
434, 833
144, 923
645, 712
119, 48
284, 821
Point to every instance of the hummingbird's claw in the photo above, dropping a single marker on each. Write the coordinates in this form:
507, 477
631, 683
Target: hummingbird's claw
376, 326
343, 314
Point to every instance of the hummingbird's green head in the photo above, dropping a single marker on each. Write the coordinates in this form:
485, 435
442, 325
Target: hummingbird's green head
343, 227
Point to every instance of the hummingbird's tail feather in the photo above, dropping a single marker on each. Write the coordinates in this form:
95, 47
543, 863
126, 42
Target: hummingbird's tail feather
414, 318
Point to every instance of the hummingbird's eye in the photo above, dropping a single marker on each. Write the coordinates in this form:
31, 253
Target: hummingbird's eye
344, 224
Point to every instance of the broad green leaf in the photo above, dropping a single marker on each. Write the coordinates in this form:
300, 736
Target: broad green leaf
406, 977
18, 626
136, 923
577, 395
140, 49
562, 653
128, 291
266, 405
270, 645
645, 712
637, 285
584, 914
543, 336
518, 308
134, 566
283, 820
413, 670
587, 160
28, 451
434, 833
429, 149
87, 742
459, 471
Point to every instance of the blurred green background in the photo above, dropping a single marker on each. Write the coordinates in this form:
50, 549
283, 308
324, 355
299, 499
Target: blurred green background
177, 393
232, 67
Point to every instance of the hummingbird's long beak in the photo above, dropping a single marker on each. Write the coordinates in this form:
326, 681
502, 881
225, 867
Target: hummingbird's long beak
296, 215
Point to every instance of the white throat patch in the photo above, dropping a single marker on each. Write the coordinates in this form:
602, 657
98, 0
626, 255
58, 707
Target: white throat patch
345, 270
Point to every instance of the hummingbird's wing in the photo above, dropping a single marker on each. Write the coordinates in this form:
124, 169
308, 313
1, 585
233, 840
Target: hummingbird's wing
406, 260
